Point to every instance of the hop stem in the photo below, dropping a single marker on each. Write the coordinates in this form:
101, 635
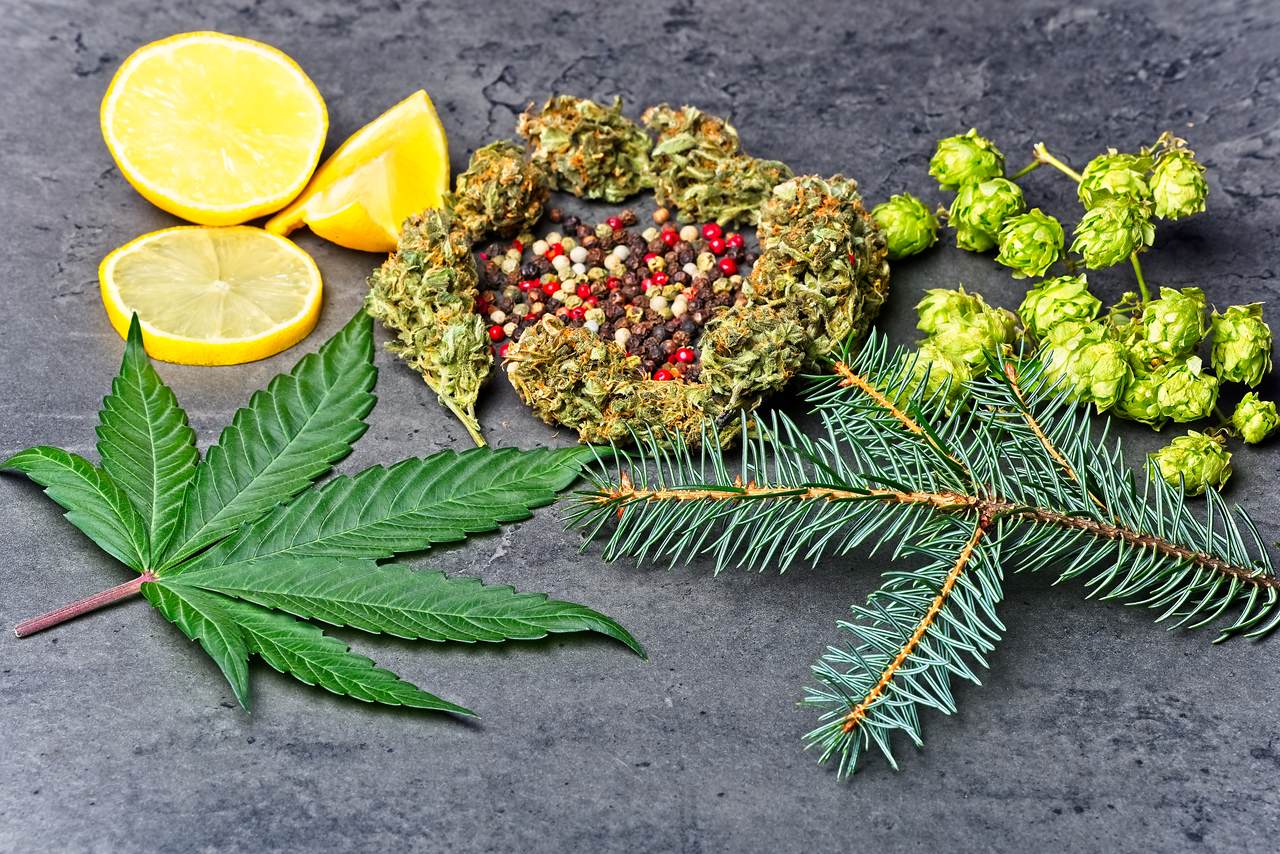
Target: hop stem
1026, 170
1043, 156
1142, 283
82, 606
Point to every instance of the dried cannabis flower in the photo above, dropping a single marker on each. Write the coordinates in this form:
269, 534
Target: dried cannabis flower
823, 257
501, 192
700, 170
425, 293
1194, 461
909, 226
587, 149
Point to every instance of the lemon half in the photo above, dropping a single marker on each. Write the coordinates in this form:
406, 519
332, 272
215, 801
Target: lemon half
212, 296
213, 128
396, 165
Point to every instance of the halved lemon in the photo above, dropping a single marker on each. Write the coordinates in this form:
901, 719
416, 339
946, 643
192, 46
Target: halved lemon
395, 166
212, 296
214, 128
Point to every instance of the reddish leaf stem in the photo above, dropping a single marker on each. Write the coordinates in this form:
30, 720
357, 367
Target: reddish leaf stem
82, 606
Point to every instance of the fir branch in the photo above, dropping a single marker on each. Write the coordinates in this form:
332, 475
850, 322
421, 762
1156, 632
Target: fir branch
1018, 468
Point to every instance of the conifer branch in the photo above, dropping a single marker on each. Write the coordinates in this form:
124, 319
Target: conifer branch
1015, 477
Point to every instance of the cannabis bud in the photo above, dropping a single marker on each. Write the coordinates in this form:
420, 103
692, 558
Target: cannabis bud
980, 209
1195, 462
965, 159
1184, 390
1139, 403
587, 149
1114, 176
1177, 184
1030, 243
938, 372
1112, 231
700, 170
1172, 325
1056, 301
1241, 344
1087, 360
425, 293
909, 226
502, 191
1255, 419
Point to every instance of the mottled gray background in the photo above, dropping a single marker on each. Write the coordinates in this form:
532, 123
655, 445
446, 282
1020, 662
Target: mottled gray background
1095, 730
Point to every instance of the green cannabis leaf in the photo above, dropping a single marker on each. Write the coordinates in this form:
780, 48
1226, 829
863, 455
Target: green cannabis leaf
235, 549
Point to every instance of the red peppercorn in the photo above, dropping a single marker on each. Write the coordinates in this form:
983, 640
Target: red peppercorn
662, 375
711, 230
592, 301
584, 290
518, 246
526, 284
728, 266
550, 288
646, 283
613, 283
614, 222
649, 256
716, 245
502, 350
734, 240
577, 313
660, 278
484, 256
669, 236
554, 251
496, 333
686, 354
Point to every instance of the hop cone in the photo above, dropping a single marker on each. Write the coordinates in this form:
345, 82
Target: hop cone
1139, 401
1195, 461
1172, 325
1056, 301
1178, 186
1113, 230
1088, 360
980, 209
1114, 176
1030, 243
1184, 390
941, 307
965, 159
1255, 419
909, 226
1241, 344
935, 369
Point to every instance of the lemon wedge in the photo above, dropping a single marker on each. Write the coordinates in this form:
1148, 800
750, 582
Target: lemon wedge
212, 296
213, 128
395, 166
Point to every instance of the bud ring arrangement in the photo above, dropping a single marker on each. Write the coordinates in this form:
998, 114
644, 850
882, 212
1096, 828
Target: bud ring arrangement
607, 331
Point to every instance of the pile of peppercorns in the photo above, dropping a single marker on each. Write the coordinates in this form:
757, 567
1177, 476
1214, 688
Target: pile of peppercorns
651, 292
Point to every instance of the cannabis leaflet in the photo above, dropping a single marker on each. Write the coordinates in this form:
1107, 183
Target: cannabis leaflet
240, 549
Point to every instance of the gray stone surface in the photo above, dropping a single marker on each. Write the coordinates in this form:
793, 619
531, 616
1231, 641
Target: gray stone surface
1095, 730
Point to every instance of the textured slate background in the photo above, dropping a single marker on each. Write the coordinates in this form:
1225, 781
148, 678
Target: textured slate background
1095, 730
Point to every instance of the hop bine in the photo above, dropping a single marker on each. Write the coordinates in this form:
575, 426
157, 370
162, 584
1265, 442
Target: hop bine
1009, 476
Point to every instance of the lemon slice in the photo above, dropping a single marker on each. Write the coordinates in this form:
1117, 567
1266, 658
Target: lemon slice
213, 128
395, 166
212, 296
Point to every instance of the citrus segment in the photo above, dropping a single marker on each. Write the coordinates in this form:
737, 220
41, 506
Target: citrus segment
395, 166
213, 128
212, 296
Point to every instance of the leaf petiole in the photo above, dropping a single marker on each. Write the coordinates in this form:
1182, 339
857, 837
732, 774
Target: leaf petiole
82, 606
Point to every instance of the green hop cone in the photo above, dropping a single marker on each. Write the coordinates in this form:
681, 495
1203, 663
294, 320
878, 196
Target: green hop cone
980, 209
1087, 359
1139, 403
909, 227
1114, 176
1172, 325
1030, 243
1195, 461
1178, 185
1241, 344
941, 307
1255, 419
970, 339
1056, 301
1184, 390
1112, 231
965, 159
937, 372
